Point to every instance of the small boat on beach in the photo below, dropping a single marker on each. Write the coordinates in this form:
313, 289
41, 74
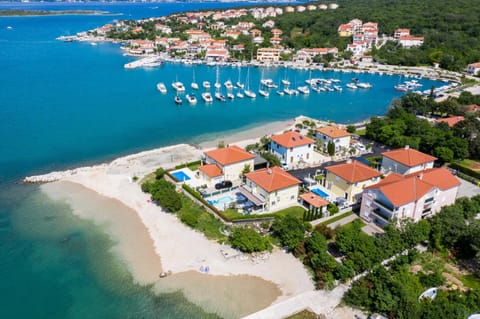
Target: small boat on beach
161, 87
206, 85
191, 99
178, 86
207, 97
178, 100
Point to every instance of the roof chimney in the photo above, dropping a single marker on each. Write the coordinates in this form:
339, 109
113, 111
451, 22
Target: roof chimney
349, 161
407, 147
420, 176
269, 171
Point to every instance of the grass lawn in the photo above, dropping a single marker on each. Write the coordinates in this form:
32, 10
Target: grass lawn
471, 281
295, 211
196, 217
361, 132
472, 164
304, 314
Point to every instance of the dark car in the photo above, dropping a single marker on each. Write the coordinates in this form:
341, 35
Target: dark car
223, 184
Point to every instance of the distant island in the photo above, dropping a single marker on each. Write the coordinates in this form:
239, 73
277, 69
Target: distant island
4, 13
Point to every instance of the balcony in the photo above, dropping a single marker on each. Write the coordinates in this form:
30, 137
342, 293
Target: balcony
383, 215
386, 206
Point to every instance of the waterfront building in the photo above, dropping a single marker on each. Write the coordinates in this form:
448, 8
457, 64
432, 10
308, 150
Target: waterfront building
409, 41
473, 68
292, 149
349, 179
271, 189
406, 161
225, 164
335, 134
451, 121
268, 55
415, 196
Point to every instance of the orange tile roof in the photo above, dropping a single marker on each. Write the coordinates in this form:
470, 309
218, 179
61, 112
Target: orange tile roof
229, 155
439, 177
451, 121
353, 172
401, 190
291, 139
409, 157
333, 131
314, 200
272, 179
211, 170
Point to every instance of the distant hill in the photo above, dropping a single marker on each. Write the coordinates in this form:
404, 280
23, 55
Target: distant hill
451, 29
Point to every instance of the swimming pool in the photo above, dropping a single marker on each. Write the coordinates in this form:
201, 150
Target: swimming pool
180, 176
222, 200
319, 192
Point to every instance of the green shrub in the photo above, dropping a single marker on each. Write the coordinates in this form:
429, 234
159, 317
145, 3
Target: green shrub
465, 170
159, 173
189, 218
248, 240
332, 208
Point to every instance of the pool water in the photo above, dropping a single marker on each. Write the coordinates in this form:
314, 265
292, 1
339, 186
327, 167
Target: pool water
319, 192
222, 200
180, 176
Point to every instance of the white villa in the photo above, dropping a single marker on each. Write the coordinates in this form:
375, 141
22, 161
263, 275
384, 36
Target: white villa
406, 161
415, 196
334, 134
271, 188
473, 68
292, 148
225, 164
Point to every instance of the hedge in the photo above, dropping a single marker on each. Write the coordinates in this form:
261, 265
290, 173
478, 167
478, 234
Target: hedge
195, 163
197, 195
465, 170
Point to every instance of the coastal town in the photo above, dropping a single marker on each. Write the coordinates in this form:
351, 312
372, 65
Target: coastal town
303, 217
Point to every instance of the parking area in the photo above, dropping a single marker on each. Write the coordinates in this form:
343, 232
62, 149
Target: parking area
467, 189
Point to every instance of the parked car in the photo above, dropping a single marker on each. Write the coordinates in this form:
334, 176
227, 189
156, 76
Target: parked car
223, 184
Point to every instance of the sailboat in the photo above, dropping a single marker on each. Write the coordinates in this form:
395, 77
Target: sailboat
217, 81
218, 94
194, 84
285, 81
247, 91
239, 84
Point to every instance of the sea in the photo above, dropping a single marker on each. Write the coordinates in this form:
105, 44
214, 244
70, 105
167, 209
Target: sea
64, 105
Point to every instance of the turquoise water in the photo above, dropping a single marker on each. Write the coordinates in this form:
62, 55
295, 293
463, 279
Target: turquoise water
69, 104
181, 176
319, 192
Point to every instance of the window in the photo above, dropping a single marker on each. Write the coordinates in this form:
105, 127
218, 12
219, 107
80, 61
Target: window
273, 203
308, 155
292, 197
346, 195
291, 149
291, 159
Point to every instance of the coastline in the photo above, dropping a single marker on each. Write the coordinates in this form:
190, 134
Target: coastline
166, 242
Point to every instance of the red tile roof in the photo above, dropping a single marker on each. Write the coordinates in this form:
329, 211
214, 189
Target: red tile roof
333, 131
272, 179
229, 155
409, 157
291, 139
353, 172
211, 170
401, 190
451, 121
314, 200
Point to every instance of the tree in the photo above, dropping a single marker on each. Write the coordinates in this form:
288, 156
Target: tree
246, 169
159, 173
443, 153
221, 144
331, 148
351, 129
289, 230
248, 240
271, 159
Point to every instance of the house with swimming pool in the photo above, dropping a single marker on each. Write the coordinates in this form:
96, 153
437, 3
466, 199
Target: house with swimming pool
335, 134
225, 164
415, 196
406, 161
292, 148
271, 189
348, 180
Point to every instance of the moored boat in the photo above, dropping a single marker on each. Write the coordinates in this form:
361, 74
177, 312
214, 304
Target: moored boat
364, 85
264, 93
230, 96
250, 94
351, 86
178, 100
207, 97
178, 86
206, 84
191, 98
303, 89
240, 95
219, 96
161, 87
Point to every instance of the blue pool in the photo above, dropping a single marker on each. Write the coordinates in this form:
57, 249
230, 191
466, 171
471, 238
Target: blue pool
180, 176
319, 192
223, 200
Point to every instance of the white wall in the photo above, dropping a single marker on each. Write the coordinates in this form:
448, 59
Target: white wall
390, 165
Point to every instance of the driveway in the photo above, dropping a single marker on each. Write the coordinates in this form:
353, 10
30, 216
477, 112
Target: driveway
467, 189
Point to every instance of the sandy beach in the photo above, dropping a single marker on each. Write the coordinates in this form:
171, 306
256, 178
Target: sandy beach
150, 240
